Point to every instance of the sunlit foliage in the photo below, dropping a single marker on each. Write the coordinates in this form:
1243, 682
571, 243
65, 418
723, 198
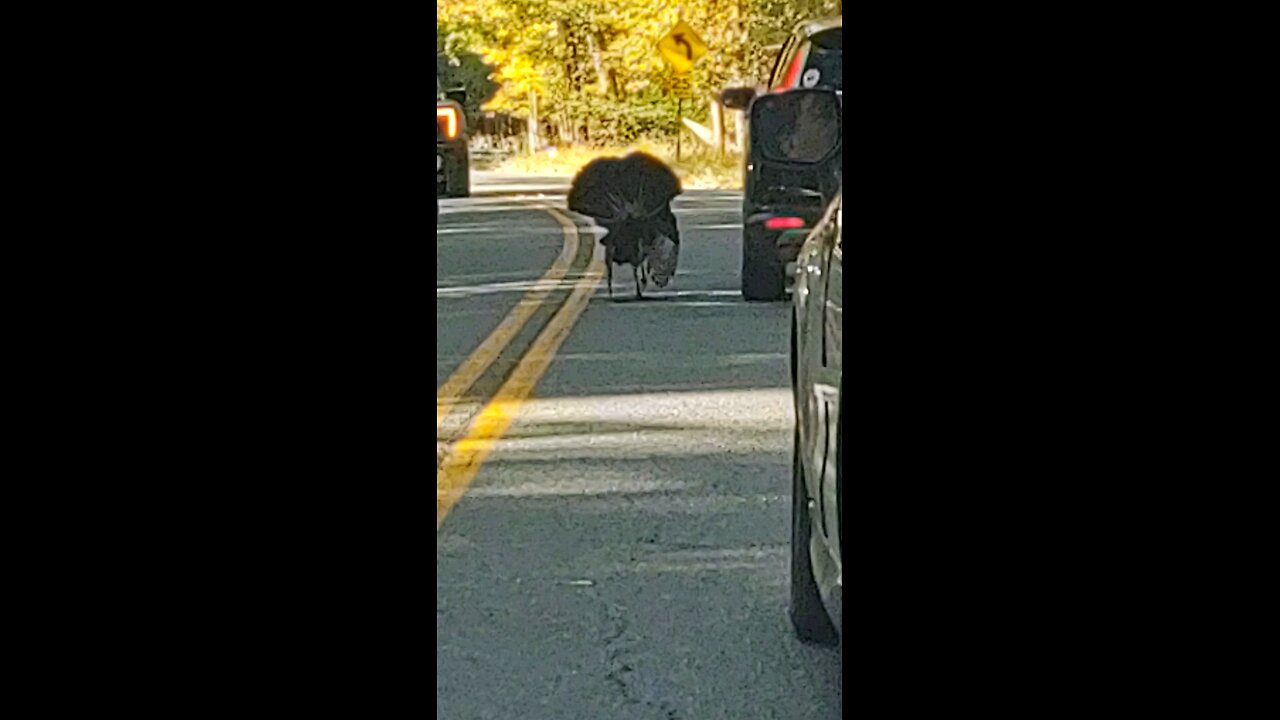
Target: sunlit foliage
592, 63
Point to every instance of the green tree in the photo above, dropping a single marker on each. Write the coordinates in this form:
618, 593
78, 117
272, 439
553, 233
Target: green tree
593, 64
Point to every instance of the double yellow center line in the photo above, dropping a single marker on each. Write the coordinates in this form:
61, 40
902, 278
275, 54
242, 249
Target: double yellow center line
458, 462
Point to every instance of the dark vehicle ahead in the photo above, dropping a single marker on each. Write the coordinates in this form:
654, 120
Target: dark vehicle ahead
453, 161
817, 345
781, 203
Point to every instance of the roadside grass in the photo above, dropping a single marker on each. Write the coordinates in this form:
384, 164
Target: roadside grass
699, 167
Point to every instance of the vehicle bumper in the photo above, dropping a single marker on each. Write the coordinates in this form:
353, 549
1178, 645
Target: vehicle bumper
784, 244
453, 170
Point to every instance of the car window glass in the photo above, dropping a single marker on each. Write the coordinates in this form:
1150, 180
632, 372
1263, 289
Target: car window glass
832, 39
823, 68
791, 128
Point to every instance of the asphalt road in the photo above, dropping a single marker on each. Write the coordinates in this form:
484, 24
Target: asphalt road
622, 550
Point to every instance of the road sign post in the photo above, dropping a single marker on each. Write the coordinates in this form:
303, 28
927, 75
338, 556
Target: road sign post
682, 89
681, 48
679, 114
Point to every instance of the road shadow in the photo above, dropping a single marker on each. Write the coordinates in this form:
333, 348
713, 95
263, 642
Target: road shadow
634, 606
692, 339
643, 556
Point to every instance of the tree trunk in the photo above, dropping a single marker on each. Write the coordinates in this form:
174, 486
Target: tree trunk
533, 121
717, 126
601, 79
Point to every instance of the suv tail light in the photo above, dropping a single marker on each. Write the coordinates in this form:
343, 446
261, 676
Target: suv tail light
784, 223
449, 118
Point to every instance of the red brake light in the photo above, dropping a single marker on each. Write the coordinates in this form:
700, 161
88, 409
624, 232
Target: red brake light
784, 223
451, 121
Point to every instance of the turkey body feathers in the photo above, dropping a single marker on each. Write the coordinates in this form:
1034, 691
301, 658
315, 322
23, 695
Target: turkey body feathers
619, 189
631, 198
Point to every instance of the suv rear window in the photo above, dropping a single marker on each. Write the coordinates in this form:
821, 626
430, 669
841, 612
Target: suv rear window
825, 57
832, 39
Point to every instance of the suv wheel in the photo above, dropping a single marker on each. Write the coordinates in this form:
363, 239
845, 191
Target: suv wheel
808, 614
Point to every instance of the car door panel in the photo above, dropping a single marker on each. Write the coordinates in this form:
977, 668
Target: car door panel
809, 303
819, 387
833, 362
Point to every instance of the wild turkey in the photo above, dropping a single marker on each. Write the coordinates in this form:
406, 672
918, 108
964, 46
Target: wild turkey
631, 198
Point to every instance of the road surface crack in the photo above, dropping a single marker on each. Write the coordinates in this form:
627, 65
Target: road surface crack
620, 662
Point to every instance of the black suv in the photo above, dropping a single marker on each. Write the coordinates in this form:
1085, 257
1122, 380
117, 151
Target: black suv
783, 200
453, 161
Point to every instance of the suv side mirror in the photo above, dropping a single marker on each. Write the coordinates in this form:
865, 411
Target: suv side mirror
797, 126
459, 96
737, 98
